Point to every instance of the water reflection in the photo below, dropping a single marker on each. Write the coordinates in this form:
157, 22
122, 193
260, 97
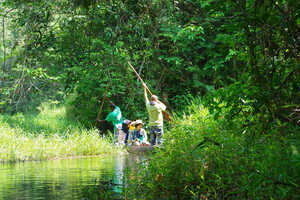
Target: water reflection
76, 179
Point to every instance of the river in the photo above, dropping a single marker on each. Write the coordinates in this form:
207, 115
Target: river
67, 179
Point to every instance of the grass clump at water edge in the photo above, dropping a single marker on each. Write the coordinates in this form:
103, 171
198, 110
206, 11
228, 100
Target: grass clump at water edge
48, 135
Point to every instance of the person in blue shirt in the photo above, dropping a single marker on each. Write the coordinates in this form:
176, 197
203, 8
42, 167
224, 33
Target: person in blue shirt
139, 135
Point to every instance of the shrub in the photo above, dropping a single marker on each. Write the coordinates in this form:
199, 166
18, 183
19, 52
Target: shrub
204, 158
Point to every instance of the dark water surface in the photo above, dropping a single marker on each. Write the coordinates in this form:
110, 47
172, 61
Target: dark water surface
75, 179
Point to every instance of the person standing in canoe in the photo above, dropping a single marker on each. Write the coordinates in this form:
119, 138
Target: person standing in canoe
115, 117
155, 109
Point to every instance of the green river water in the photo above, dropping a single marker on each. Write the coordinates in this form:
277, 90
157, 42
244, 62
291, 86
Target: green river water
67, 179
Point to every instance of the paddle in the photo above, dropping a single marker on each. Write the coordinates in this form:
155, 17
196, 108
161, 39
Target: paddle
100, 110
166, 115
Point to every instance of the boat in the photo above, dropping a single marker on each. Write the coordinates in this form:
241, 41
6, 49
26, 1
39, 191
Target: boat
139, 149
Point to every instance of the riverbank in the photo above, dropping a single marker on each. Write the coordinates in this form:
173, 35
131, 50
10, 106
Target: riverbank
49, 135
15, 146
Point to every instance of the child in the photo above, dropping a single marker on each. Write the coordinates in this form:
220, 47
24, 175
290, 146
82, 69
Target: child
131, 127
139, 135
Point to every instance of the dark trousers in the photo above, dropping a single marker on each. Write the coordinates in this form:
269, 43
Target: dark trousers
156, 134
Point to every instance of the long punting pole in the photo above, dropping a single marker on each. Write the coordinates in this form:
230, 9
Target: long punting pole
100, 110
164, 112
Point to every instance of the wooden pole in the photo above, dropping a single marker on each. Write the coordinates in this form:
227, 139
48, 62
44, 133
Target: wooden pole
164, 112
140, 78
100, 110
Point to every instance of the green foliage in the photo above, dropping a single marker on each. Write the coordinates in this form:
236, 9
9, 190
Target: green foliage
207, 158
50, 119
179, 48
48, 135
242, 55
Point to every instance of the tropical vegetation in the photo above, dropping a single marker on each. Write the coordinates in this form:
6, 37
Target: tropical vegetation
228, 70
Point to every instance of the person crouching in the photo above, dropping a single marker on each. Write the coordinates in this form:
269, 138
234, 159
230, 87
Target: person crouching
139, 135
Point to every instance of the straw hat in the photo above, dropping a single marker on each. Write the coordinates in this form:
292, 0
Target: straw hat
138, 122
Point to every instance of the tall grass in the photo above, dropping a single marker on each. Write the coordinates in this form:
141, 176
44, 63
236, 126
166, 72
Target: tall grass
50, 119
204, 158
48, 135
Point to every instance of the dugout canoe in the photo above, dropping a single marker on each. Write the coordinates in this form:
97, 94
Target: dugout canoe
139, 149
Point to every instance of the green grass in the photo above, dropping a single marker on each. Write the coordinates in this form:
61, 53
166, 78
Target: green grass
232, 162
51, 119
48, 135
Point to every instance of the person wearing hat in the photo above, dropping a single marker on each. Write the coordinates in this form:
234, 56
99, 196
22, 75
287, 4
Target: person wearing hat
139, 135
155, 108
131, 128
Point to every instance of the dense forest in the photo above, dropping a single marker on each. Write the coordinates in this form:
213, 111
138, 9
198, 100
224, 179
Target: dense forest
73, 49
231, 65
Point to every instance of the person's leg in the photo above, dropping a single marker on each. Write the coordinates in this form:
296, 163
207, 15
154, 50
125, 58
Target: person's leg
116, 136
121, 138
126, 137
159, 133
152, 136
118, 128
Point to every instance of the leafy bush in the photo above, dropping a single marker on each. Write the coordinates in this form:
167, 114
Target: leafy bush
204, 158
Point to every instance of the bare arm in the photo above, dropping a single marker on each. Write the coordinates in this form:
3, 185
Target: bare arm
145, 95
